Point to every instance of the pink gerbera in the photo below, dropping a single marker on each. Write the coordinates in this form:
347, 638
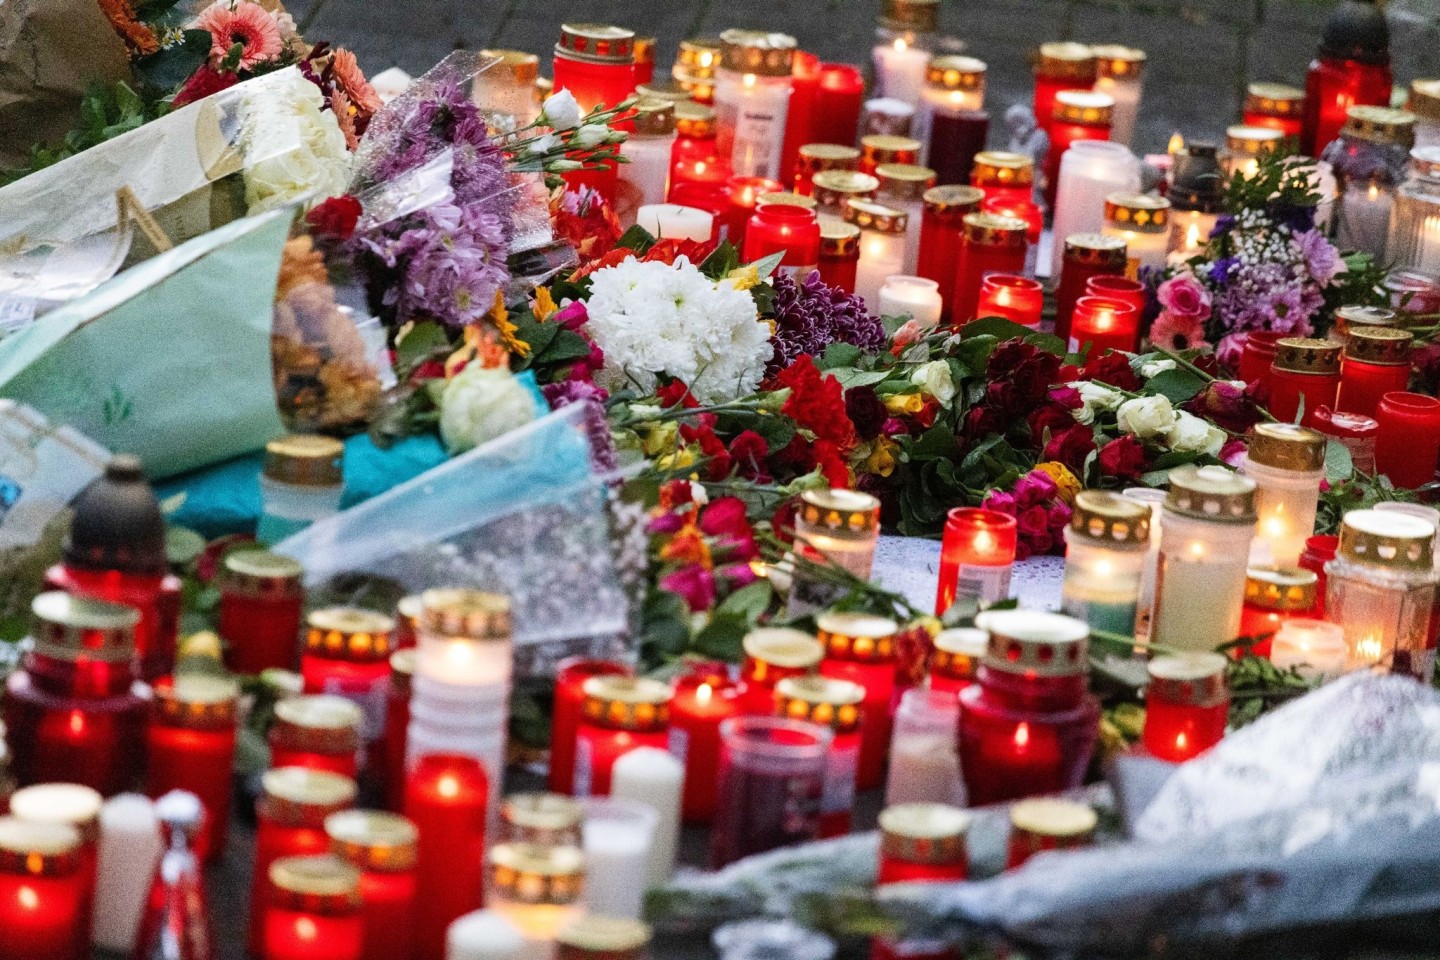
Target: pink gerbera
247, 24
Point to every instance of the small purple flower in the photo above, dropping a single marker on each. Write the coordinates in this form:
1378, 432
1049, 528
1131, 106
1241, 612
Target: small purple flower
1223, 225
1220, 271
1322, 260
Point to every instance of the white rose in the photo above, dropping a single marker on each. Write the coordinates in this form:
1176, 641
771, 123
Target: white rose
1150, 368
1191, 434
561, 111
480, 404
1098, 397
590, 135
301, 149
935, 379
1146, 417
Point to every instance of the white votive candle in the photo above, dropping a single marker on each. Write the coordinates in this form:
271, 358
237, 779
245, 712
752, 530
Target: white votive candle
913, 296
900, 69
1090, 171
670, 221
655, 778
617, 836
1315, 647
130, 845
484, 935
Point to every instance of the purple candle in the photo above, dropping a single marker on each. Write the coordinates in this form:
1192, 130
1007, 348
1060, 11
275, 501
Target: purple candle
955, 138
772, 775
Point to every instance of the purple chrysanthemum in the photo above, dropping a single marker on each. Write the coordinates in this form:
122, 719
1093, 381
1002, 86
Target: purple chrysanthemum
597, 428
810, 316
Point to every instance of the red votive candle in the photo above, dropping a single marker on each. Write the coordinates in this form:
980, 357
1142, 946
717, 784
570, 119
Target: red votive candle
835, 705
1319, 550
941, 231
772, 776
1376, 362
1408, 443
816, 158
861, 648
990, 244
1099, 324
1076, 115
318, 732
77, 807
879, 149
704, 698
838, 101
1007, 206
1303, 368
42, 892
192, 747
1186, 705
1004, 175
347, 654
596, 63
977, 553
1356, 433
619, 715
1086, 255
800, 112
787, 229
1018, 299
290, 822
839, 253
445, 797
956, 658
261, 597
744, 197
1114, 287
694, 158
1048, 824
1258, 354
382, 847
313, 910
773, 654
570, 679
397, 726
1271, 597
923, 843
1355, 71
644, 61
1278, 107
1061, 66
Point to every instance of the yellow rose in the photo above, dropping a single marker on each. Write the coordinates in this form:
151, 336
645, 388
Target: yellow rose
1068, 483
881, 459
678, 460
658, 437
904, 403
743, 278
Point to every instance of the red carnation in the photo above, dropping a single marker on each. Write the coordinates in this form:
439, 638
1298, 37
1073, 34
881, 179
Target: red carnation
1123, 458
832, 464
749, 451
718, 463
335, 218
202, 83
676, 392
817, 403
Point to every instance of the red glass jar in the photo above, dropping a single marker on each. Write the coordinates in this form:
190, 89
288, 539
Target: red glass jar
1048, 824
313, 910
1376, 362
800, 112
290, 822
1351, 68
1061, 66
382, 847
570, 677
861, 648
1257, 355
951, 116
446, 797
1122, 288
784, 228
1319, 550
1407, 446
407, 622
744, 197
941, 231
989, 244
1278, 107
956, 657
77, 807
1029, 724
42, 892
596, 63
1076, 115
1017, 299
704, 698
1271, 597
1086, 255
261, 597
1303, 368
839, 253
1007, 175
1099, 324
814, 158
773, 654
347, 654
772, 776
694, 158
317, 732
397, 726
977, 553
1186, 705
923, 843
837, 706
191, 747
75, 711
619, 715
1025, 210
837, 103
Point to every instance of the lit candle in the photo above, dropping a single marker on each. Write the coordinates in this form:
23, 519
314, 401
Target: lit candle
1090, 171
1122, 289
1407, 443
382, 847
784, 223
1273, 596
1245, 147
882, 247
923, 843
1277, 106
129, 848
644, 61
619, 715
941, 232
42, 891
261, 597
878, 150
752, 96
1197, 200
772, 776
860, 648
955, 658
446, 797
990, 244
839, 252
1048, 824
836, 705
1031, 213
1060, 66
771, 655
900, 69
1305, 370
1355, 432
1106, 545
977, 553
1142, 221
484, 935
1381, 589
596, 63
1414, 242
1145, 605
397, 727
347, 653
1287, 463
695, 66
546, 819
703, 700
924, 755
191, 746
1099, 324
914, 297
1121, 76
1018, 299
538, 890
648, 148
656, 779
694, 158
1085, 255
1315, 648
313, 910
800, 117
838, 103
1004, 175
1376, 361
1369, 161
570, 677
319, 732
745, 193
903, 187
668, 221
1077, 115
1187, 702
505, 89
952, 122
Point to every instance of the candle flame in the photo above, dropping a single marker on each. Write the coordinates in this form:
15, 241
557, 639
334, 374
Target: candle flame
703, 693
1177, 143
77, 722
984, 541
448, 786
1181, 741
28, 898
1368, 649
900, 44
1104, 319
1374, 193
1192, 237
305, 928
1197, 549
748, 81
707, 58
1022, 735
1002, 299
700, 166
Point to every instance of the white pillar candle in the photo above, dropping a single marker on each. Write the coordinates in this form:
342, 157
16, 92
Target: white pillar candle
130, 846
1122, 77
900, 69
617, 835
484, 935
671, 221
1090, 171
924, 754
1365, 217
882, 247
655, 778
914, 296
644, 179
1315, 647
752, 99
887, 116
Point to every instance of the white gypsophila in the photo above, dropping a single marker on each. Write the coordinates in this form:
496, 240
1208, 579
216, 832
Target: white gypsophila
653, 318
293, 147
1146, 417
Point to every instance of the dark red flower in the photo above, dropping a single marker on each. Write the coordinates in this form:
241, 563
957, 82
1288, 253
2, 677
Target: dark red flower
1032, 379
1123, 458
748, 451
717, 458
1071, 446
676, 392
981, 422
335, 219
202, 83
725, 517
1049, 416
832, 463
1113, 369
817, 403
783, 523
866, 410
1227, 404
1009, 355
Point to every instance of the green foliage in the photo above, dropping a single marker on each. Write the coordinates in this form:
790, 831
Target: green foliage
1178, 384
164, 71
106, 111
1277, 182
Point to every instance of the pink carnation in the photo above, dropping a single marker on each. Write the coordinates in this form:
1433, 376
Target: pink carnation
248, 24
1183, 296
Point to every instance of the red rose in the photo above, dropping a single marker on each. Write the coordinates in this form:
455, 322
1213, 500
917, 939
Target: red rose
1123, 458
817, 403
749, 451
865, 409
1052, 417
1033, 378
981, 422
1071, 447
335, 218
202, 83
1113, 369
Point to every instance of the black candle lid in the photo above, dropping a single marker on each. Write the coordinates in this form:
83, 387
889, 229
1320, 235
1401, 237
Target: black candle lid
1199, 183
118, 525
1356, 30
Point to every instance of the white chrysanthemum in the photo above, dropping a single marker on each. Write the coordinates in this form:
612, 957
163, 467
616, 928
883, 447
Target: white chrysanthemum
653, 318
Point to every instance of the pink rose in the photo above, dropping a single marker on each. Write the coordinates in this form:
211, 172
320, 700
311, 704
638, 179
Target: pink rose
1034, 522
1001, 502
1183, 296
694, 584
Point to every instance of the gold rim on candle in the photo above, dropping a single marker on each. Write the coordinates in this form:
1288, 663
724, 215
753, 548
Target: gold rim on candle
1277, 100
951, 202
1380, 125
537, 874
548, 819
868, 215
1383, 346
1253, 141
349, 633
1307, 355
68, 626
373, 840
318, 723
994, 168
604, 935
1034, 643
1141, 212
838, 239
1054, 819
783, 198
305, 460
779, 647
38, 849
996, 230
299, 796
1380, 538
197, 701
1281, 590
904, 181
323, 884
1065, 61
260, 574
840, 511
521, 67
654, 118
757, 52
476, 614
1353, 317
1211, 493
856, 636
917, 16
1096, 249
694, 119
881, 148
836, 188
1084, 107
956, 73
1189, 679
931, 833
827, 701
1287, 446
596, 43
626, 703
958, 652
1118, 62
1110, 519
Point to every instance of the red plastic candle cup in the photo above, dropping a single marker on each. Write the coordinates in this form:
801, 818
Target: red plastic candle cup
78, 807
347, 654
1048, 824
1008, 206
1376, 362
787, 229
704, 699
397, 727
1061, 66
290, 822
1335, 83
261, 597
42, 891
800, 112
596, 63
837, 705
313, 910
977, 553
1408, 443
445, 797
1271, 597
694, 158
941, 233
861, 648
620, 714
1355, 432
192, 747
838, 100
1076, 115
772, 775
839, 254
1186, 705
990, 244
407, 622
1319, 550
1277, 107
744, 197
713, 198
1304, 371
1112, 287
318, 732
382, 847
1086, 255
955, 658
1018, 299
1100, 324
773, 654
644, 61
923, 843
1257, 355
570, 679
1000, 174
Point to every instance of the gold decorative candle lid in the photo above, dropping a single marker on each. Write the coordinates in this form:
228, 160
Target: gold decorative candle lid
72, 626
1380, 538
549, 819
699, 56
868, 215
835, 188
38, 849
299, 796
1252, 141
757, 52
1424, 100
609, 938
373, 840
477, 614
1034, 643
537, 874
994, 168
996, 230
781, 647
1272, 588
1052, 818
317, 722
1287, 446
1425, 162
814, 157
838, 238
349, 633
841, 511
881, 148
1189, 679
305, 460
197, 701
781, 198
324, 885
958, 652
1118, 62
669, 91
827, 701
918, 16
856, 636
260, 574
1084, 107
931, 833
1384, 346
1211, 493
519, 66
1141, 212
626, 703
1095, 249
951, 202
1307, 355
596, 43
654, 118
904, 181
1380, 125
1111, 519
955, 73
1275, 100
694, 119
1065, 61
1351, 317
645, 49
701, 89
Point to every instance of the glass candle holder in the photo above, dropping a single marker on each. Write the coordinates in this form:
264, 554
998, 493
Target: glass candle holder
1431, 516
540, 890
603, 938
752, 97
1319, 550
1142, 221
1187, 702
977, 553
838, 102
1246, 146
1354, 317
1121, 76
833, 190
704, 698
813, 158
1017, 299
1412, 292
505, 91
1407, 443
839, 253
302, 481
1152, 499
1352, 66
1381, 589
1314, 648
786, 229
924, 753
772, 776
1048, 824
313, 910
956, 658
446, 797
1277, 106
745, 193
989, 244
191, 746
1369, 160
42, 890
697, 57
800, 115
619, 714
694, 157
1060, 66
861, 648
318, 732
1077, 115
649, 149
903, 186
1099, 324
1007, 175
347, 654
1305, 370
879, 149
913, 297
923, 843
644, 60
951, 120
1258, 354
75, 711
904, 33
1356, 433
941, 226
397, 726
1272, 596
1287, 463
772, 654
882, 246
1196, 199
1090, 171
1376, 361
1028, 725
1424, 103
261, 596
1106, 545
596, 63
836, 705
382, 848
1207, 526
1033, 216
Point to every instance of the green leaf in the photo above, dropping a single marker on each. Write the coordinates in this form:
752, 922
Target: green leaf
749, 601
722, 637
421, 342
975, 352
565, 347
637, 238
997, 327
1048, 342
1339, 466
840, 355
937, 442
1178, 384
171, 66
718, 265
850, 377
767, 265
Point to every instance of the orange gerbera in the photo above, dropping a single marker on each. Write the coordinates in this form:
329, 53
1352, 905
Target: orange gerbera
138, 37
350, 78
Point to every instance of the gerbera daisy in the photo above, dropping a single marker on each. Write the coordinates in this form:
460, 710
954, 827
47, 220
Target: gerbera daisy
351, 79
244, 23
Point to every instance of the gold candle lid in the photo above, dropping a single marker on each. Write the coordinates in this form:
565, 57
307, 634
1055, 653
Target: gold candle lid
1425, 162
317, 722
1052, 818
1118, 62
836, 188
260, 574
373, 840
477, 614
827, 701
1273, 588
1380, 538
38, 849
1065, 61
521, 67
694, 119
702, 89
604, 937
1287, 446
1384, 346
699, 56
879, 148
782, 647
548, 819
932, 833
324, 885
995, 230
918, 16
994, 168
654, 118
197, 701
838, 238
955, 73
848, 635
1351, 317
70, 627
1252, 141
349, 633
904, 181
626, 703
815, 157
958, 652
402, 666
1096, 249
305, 460
1034, 643
596, 43
757, 52
841, 512
1380, 125
1275, 100
1211, 493
951, 202
537, 874
70, 804
1084, 107
783, 198
868, 215
1307, 355
1141, 212
299, 796
1189, 679
1111, 518
1424, 100
645, 49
